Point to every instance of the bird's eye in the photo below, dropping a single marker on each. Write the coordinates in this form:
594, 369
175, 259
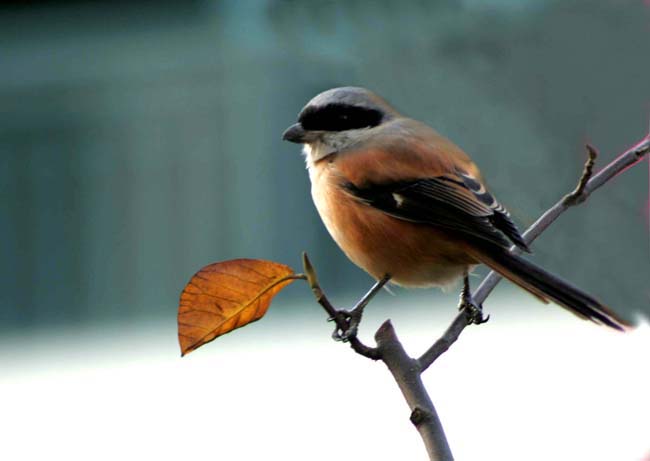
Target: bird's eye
339, 117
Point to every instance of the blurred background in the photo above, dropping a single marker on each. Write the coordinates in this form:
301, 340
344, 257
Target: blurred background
140, 141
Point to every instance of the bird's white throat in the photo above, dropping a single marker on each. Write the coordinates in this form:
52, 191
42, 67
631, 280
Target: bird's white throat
316, 151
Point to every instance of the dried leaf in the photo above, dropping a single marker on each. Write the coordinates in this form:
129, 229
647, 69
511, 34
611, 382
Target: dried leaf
228, 295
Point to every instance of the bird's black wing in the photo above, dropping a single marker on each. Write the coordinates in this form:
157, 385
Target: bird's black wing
458, 203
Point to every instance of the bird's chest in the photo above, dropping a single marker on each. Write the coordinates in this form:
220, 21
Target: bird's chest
334, 206
413, 254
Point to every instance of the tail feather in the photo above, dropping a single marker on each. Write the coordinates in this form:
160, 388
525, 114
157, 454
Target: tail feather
545, 285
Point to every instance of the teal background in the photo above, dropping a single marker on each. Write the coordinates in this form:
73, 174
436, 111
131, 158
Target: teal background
140, 141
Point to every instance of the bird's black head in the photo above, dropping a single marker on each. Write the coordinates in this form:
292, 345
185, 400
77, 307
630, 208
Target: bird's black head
339, 109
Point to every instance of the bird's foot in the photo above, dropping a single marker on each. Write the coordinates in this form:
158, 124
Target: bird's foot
474, 310
347, 322
350, 320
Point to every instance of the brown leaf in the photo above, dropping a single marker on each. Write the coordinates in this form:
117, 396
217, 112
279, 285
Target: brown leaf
227, 295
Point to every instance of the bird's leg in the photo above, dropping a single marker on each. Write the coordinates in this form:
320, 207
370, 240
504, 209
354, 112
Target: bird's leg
352, 318
474, 310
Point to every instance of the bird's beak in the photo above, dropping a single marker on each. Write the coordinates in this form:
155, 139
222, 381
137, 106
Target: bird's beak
295, 133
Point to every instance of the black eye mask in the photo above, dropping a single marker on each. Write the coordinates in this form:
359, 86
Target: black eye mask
338, 117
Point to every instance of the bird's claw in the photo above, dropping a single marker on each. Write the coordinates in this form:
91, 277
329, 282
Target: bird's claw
351, 321
474, 311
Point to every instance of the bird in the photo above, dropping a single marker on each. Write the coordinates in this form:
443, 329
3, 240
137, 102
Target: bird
411, 208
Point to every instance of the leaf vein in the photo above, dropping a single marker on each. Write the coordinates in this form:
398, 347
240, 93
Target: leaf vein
191, 325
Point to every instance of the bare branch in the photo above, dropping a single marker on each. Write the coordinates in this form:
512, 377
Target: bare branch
445, 341
356, 344
406, 372
586, 185
312, 279
578, 195
628, 158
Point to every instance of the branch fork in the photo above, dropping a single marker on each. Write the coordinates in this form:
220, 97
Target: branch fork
406, 370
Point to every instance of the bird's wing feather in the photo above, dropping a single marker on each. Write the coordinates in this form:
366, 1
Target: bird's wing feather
455, 202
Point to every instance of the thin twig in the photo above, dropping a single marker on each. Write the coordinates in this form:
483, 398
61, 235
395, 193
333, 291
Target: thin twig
586, 185
578, 195
445, 341
356, 344
624, 161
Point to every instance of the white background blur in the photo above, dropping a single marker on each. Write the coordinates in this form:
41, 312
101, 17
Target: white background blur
534, 383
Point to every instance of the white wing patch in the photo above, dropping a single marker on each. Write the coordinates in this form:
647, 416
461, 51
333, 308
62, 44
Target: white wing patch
398, 199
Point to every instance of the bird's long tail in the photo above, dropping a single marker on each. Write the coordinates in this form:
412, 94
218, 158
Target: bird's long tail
545, 285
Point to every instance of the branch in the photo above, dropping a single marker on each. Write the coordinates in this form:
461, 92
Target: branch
443, 343
356, 344
407, 374
585, 187
578, 195
407, 371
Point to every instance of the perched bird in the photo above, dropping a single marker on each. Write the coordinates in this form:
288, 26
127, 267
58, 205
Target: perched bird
408, 206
